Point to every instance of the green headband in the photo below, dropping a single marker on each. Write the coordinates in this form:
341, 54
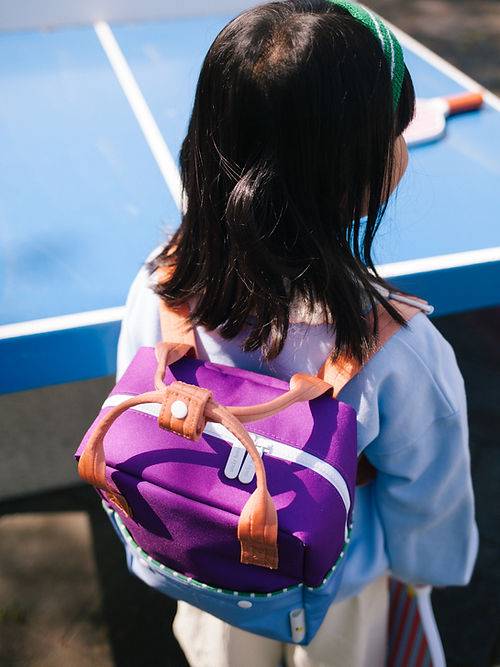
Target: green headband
390, 45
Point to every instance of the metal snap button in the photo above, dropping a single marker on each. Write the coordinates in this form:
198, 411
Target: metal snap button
179, 409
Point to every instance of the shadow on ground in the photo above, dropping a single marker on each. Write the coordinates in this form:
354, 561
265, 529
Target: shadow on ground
71, 600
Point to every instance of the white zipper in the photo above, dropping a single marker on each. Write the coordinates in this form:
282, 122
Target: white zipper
241, 466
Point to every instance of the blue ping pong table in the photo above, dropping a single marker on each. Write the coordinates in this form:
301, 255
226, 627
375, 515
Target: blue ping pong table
91, 121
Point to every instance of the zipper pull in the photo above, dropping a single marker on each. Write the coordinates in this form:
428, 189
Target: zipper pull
234, 461
298, 625
247, 472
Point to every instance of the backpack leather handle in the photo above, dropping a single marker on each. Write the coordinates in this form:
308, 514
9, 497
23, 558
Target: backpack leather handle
92, 463
258, 522
303, 387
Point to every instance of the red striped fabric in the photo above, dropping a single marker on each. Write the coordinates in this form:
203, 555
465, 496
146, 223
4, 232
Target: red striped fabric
408, 646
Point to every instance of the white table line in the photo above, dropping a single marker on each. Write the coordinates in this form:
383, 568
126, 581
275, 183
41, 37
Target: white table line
439, 262
142, 112
62, 322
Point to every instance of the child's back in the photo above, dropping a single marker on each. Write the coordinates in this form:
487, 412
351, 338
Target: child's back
293, 148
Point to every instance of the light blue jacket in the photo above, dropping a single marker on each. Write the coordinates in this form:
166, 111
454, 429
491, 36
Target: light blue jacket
417, 518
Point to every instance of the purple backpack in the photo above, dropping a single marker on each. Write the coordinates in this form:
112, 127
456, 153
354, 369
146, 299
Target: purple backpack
249, 523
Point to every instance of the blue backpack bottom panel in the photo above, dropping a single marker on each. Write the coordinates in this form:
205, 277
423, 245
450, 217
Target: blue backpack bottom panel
291, 615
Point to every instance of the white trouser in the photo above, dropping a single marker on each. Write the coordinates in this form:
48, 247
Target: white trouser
353, 634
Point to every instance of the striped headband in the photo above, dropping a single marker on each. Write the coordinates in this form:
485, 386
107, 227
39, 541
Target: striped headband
390, 45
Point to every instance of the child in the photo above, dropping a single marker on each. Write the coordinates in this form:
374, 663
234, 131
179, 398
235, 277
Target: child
293, 148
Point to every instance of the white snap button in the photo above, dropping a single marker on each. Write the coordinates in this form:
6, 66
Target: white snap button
179, 409
244, 604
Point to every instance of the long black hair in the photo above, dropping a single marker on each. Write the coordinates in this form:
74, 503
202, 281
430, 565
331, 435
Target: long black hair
290, 145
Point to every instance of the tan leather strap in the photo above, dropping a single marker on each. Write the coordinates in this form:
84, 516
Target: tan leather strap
338, 373
192, 402
174, 329
303, 387
258, 522
257, 526
166, 354
92, 463
174, 322
174, 326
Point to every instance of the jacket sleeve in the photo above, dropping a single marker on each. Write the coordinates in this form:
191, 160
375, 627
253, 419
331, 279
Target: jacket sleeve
415, 433
424, 497
141, 321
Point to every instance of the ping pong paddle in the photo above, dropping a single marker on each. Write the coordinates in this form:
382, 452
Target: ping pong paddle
429, 122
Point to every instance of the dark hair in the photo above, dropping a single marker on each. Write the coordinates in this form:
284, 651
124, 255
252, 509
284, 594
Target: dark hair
292, 133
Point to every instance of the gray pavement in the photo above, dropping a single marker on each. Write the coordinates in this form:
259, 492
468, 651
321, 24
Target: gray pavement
66, 597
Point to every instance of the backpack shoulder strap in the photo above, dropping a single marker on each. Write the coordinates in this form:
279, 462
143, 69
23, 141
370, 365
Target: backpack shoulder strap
174, 322
175, 329
174, 325
339, 373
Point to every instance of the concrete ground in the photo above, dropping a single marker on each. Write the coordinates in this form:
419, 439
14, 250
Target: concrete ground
66, 598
